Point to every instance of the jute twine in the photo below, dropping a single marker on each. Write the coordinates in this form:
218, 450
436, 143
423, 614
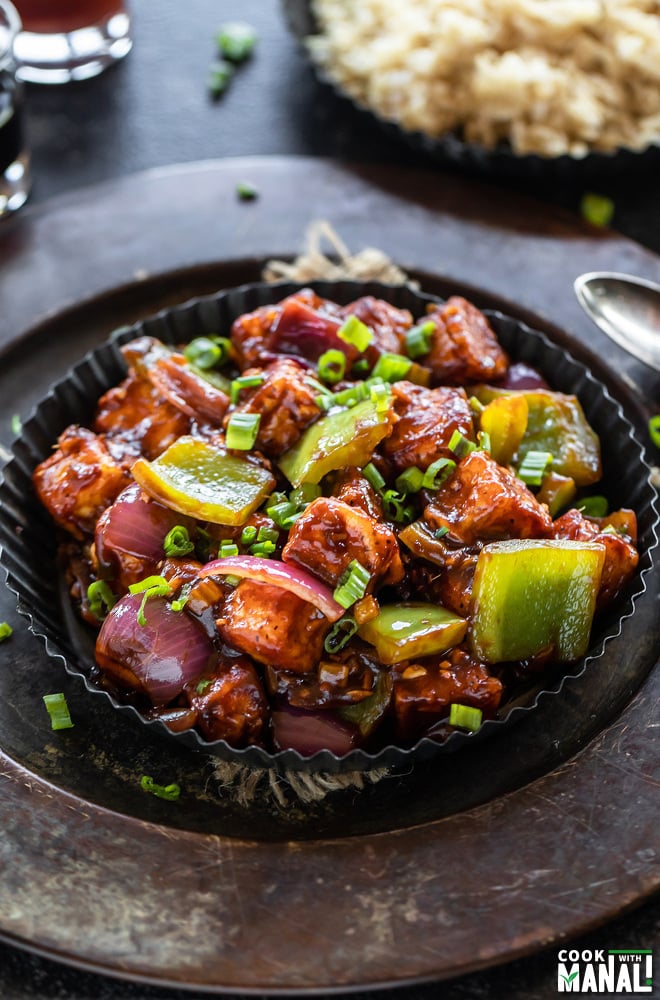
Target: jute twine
246, 785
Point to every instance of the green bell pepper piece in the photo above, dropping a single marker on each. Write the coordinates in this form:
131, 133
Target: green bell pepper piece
194, 477
366, 714
531, 596
409, 631
342, 438
556, 423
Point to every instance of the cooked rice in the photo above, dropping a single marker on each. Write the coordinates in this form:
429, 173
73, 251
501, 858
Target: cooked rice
547, 76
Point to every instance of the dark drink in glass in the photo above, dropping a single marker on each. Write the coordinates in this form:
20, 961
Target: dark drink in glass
14, 157
65, 40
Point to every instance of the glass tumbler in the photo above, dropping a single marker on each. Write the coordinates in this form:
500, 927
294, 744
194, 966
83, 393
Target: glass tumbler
14, 155
64, 40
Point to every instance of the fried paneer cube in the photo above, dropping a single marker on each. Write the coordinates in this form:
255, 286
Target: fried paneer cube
427, 418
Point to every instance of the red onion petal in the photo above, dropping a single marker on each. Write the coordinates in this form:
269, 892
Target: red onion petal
278, 574
135, 525
166, 653
309, 732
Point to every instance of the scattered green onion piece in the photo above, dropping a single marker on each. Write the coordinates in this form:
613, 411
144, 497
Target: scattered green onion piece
654, 429
361, 367
371, 473
460, 445
277, 497
58, 710
227, 548
232, 581
264, 549
323, 389
597, 209
280, 512
340, 634
100, 599
246, 191
236, 40
357, 333
353, 585
534, 466
437, 473
441, 532
5, 631
332, 366
394, 506
418, 339
410, 480
380, 396
466, 717
249, 534
324, 402
169, 792
267, 534
476, 405
353, 395
244, 382
483, 437
242, 430
219, 75
207, 352
203, 685
151, 586
289, 521
595, 506
16, 425
179, 603
392, 367
305, 493
177, 542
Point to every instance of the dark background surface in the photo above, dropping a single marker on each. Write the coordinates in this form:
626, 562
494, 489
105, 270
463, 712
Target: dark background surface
154, 110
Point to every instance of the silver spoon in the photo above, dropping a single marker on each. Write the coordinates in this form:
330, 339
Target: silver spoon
627, 309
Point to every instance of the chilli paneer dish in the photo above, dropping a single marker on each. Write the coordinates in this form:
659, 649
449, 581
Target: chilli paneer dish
334, 526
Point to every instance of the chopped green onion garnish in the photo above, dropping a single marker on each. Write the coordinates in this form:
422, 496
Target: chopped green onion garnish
394, 506
355, 332
392, 367
597, 209
244, 382
371, 473
248, 534
180, 602
281, 512
410, 481
460, 445
58, 711
476, 405
100, 599
5, 631
466, 717
324, 402
264, 549
207, 352
177, 542
151, 586
267, 534
323, 389
353, 585
654, 429
353, 395
242, 430
219, 75
340, 634
380, 396
441, 532
596, 506
274, 498
361, 367
534, 466
332, 366
437, 472
305, 493
203, 685
236, 40
418, 339
16, 425
246, 191
169, 792
483, 437
227, 548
